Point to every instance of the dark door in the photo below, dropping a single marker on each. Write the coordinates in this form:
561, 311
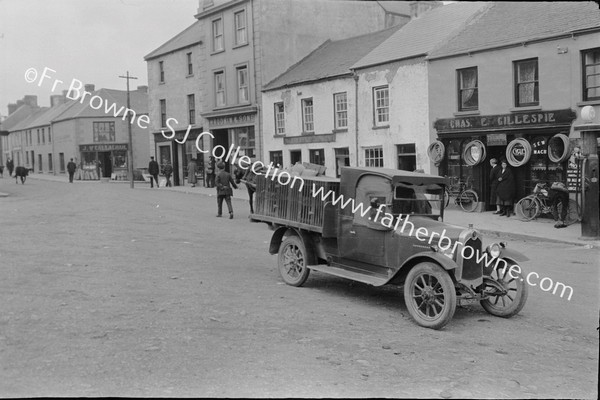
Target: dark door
106, 161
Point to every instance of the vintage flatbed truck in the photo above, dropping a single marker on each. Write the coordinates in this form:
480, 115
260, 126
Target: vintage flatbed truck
385, 227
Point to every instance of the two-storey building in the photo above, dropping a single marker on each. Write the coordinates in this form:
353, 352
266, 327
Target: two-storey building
511, 85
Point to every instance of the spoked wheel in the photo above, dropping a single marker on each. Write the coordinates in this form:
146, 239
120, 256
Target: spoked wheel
573, 212
468, 200
507, 292
430, 295
528, 207
291, 261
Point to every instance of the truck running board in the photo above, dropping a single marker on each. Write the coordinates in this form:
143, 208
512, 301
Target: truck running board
355, 276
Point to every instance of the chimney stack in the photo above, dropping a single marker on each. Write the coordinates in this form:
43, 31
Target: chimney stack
12, 107
89, 87
30, 100
142, 89
418, 8
57, 99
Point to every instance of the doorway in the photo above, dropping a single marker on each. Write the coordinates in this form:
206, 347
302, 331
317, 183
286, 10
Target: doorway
106, 161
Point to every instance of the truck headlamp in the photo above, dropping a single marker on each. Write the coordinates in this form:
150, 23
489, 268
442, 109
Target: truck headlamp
494, 250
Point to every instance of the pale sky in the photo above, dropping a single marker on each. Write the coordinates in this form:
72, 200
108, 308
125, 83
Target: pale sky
93, 41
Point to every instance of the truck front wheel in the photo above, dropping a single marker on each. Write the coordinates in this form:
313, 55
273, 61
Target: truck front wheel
291, 261
430, 295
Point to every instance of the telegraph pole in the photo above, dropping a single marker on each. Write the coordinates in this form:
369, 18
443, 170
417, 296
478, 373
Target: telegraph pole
130, 147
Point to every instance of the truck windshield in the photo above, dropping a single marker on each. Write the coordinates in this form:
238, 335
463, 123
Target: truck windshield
417, 199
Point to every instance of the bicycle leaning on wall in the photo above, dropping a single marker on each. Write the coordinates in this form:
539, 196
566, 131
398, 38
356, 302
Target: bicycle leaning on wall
538, 203
463, 193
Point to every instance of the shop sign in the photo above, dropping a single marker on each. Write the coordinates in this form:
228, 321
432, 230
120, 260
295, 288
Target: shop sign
232, 120
496, 139
518, 151
330, 137
539, 146
506, 121
102, 147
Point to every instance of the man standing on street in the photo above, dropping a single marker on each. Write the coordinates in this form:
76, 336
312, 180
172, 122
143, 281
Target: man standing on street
153, 170
223, 181
71, 167
10, 166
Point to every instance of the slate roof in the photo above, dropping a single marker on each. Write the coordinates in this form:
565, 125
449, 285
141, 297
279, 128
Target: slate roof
49, 115
188, 37
512, 23
331, 59
421, 35
139, 103
24, 123
16, 117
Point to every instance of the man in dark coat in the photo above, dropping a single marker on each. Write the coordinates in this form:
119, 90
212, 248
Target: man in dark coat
494, 175
168, 171
10, 166
506, 189
224, 191
153, 170
71, 167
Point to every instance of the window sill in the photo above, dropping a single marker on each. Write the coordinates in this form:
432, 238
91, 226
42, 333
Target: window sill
190, 76
307, 133
161, 83
525, 108
217, 52
466, 113
588, 103
340, 130
381, 127
237, 46
277, 136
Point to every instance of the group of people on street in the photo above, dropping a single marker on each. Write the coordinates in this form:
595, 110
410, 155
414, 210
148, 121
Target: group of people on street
503, 188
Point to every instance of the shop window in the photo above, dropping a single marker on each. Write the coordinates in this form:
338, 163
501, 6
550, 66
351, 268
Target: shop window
279, 119
468, 92
307, 116
220, 100
342, 159
217, 34
374, 157
120, 159
381, 106
317, 156
340, 101
50, 168
244, 139
591, 74
61, 161
407, 157
276, 158
191, 109
526, 83
241, 36
40, 163
104, 131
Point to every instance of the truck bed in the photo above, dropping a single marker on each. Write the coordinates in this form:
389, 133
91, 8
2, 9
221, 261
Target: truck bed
292, 204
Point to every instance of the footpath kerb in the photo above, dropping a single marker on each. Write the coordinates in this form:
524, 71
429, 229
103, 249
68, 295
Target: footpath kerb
490, 225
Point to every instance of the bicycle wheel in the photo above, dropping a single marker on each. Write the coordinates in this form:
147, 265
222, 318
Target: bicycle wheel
468, 200
529, 207
573, 212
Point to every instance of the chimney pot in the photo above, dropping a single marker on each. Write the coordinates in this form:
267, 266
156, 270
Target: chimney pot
90, 87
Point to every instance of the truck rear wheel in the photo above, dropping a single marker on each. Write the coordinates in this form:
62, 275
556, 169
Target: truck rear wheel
430, 295
292, 261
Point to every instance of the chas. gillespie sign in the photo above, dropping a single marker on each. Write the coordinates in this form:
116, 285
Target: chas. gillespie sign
506, 121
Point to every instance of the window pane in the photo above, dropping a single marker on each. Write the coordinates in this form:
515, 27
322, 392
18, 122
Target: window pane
307, 111
240, 27
341, 110
279, 119
468, 91
592, 75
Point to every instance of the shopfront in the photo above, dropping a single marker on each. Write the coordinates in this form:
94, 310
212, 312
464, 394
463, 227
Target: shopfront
178, 151
536, 145
103, 161
237, 130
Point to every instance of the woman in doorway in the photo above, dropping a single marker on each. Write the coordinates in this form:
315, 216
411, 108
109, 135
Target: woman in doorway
494, 175
192, 172
505, 189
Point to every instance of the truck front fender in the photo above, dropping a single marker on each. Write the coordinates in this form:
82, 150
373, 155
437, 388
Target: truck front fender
513, 254
425, 256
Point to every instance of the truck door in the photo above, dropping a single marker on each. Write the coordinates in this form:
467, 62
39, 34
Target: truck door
363, 234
